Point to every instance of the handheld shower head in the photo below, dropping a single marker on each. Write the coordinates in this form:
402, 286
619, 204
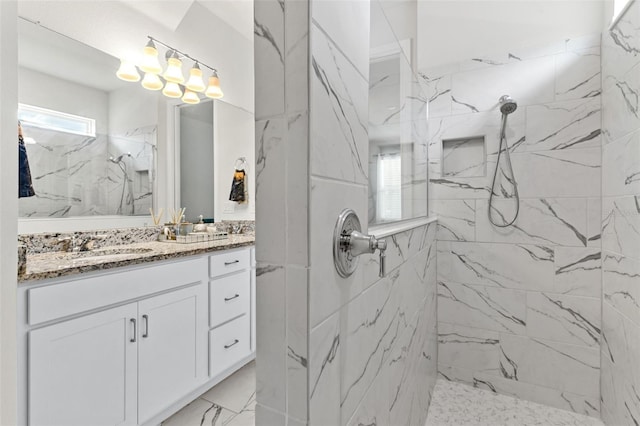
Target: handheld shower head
119, 158
507, 104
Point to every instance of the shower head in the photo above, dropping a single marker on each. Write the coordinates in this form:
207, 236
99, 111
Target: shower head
119, 158
507, 104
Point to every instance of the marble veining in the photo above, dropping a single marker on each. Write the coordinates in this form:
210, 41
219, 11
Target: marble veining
456, 404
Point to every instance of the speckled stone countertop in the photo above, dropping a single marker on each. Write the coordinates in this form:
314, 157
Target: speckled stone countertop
59, 264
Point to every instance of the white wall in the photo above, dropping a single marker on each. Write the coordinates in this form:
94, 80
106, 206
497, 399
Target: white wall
450, 31
46, 91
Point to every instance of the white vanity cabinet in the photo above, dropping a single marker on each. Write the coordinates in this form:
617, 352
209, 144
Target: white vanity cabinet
132, 346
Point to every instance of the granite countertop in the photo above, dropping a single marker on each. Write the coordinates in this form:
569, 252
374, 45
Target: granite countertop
59, 264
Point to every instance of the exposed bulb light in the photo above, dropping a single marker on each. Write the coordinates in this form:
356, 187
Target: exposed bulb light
195, 82
127, 71
213, 90
174, 69
172, 90
190, 97
152, 82
150, 63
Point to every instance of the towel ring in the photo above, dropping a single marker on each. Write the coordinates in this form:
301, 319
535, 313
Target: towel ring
241, 163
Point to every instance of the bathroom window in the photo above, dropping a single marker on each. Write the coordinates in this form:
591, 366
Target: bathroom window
56, 120
389, 187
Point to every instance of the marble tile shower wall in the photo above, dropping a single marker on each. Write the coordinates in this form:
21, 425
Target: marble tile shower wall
519, 307
620, 376
73, 177
371, 342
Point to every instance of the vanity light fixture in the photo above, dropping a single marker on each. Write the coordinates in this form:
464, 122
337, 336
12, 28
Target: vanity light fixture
172, 81
128, 71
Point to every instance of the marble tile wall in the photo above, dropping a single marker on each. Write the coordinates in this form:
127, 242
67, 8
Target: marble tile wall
371, 342
620, 376
281, 36
72, 174
519, 307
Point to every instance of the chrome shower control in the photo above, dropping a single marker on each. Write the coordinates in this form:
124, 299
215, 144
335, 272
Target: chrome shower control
349, 243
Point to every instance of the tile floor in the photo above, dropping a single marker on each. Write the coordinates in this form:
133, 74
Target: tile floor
457, 404
231, 402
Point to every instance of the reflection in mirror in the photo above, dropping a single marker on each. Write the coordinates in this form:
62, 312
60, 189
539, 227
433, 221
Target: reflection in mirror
91, 138
397, 127
195, 127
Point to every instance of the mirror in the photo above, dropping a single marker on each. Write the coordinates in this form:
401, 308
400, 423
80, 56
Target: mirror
90, 137
397, 126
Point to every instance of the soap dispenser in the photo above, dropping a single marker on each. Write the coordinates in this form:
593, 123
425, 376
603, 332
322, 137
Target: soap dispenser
200, 226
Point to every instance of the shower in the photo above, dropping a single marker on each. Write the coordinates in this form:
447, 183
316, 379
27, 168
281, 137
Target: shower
507, 106
126, 183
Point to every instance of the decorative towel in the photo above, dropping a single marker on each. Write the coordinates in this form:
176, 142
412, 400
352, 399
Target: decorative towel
238, 187
25, 185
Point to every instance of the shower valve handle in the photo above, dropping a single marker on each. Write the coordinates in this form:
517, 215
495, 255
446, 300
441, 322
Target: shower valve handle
350, 242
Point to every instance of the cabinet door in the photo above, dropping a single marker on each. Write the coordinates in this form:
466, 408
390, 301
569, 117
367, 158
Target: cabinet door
172, 350
83, 372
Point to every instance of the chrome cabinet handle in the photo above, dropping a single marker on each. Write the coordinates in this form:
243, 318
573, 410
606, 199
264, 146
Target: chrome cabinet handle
226, 299
146, 326
231, 263
135, 330
235, 342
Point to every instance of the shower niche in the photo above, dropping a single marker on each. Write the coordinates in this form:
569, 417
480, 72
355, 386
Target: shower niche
464, 157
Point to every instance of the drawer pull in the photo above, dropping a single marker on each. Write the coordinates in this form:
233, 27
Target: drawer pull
135, 330
146, 328
226, 299
231, 263
236, 341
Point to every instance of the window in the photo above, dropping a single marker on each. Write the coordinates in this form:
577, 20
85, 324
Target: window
389, 187
56, 120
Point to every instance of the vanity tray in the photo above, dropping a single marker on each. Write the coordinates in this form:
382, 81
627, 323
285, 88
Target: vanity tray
197, 237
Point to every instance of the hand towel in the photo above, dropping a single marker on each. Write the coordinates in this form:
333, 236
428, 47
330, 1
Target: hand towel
25, 185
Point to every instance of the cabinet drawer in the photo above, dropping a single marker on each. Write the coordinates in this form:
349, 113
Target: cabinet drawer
227, 262
228, 344
229, 297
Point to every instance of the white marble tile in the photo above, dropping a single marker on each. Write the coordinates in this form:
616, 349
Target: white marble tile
438, 92
464, 157
563, 125
373, 408
517, 266
325, 373
270, 55
468, 348
583, 42
200, 412
620, 365
620, 285
270, 179
266, 416
297, 337
577, 271
327, 289
296, 59
271, 353
347, 24
560, 221
489, 308
338, 120
297, 187
554, 365
237, 392
479, 90
594, 222
567, 173
621, 226
456, 219
578, 74
621, 104
457, 404
621, 166
620, 45
561, 318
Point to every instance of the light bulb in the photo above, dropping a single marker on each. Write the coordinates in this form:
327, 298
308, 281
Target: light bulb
172, 90
190, 97
127, 71
149, 61
174, 70
152, 82
213, 90
195, 82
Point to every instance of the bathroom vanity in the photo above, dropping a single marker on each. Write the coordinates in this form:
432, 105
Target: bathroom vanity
138, 337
